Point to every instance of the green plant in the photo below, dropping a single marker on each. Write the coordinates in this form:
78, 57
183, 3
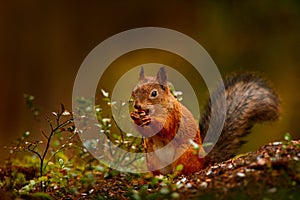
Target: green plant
72, 173
112, 136
62, 123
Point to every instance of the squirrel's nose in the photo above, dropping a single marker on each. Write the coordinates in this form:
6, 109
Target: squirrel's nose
137, 106
140, 107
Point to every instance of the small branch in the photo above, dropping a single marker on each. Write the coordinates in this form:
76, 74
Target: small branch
35, 152
44, 134
50, 124
52, 133
58, 118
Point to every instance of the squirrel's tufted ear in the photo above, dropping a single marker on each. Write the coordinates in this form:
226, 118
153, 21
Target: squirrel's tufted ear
161, 77
142, 75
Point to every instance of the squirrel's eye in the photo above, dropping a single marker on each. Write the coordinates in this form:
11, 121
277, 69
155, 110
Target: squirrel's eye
154, 93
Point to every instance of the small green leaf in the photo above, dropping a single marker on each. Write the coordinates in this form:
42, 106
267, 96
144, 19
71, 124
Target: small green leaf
42, 178
41, 195
194, 144
144, 188
179, 167
164, 190
99, 168
61, 162
207, 144
36, 113
240, 155
154, 181
288, 137
56, 143
28, 97
175, 195
26, 134
106, 99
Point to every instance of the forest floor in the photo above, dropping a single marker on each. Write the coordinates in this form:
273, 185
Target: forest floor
271, 172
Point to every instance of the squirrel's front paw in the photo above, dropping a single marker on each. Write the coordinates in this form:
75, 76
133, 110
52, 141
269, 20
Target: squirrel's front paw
140, 118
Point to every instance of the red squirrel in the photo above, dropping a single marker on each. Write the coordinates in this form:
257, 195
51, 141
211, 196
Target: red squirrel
163, 120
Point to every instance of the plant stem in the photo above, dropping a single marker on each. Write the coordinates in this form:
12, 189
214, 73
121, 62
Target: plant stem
42, 158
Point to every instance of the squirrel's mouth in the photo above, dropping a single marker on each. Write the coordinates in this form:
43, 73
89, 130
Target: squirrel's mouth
141, 117
143, 113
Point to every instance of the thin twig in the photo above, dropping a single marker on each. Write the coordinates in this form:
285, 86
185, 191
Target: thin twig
44, 134
53, 130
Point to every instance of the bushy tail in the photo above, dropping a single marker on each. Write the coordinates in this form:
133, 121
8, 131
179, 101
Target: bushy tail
249, 99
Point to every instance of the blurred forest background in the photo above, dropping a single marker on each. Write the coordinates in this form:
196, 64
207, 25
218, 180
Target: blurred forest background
42, 45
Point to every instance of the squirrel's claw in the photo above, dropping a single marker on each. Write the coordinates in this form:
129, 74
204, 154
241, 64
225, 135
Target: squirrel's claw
134, 116
140, 118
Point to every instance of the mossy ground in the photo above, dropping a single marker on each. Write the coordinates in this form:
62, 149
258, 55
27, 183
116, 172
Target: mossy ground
272, 172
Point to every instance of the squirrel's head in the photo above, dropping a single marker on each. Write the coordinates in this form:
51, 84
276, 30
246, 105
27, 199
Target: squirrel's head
151, 91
